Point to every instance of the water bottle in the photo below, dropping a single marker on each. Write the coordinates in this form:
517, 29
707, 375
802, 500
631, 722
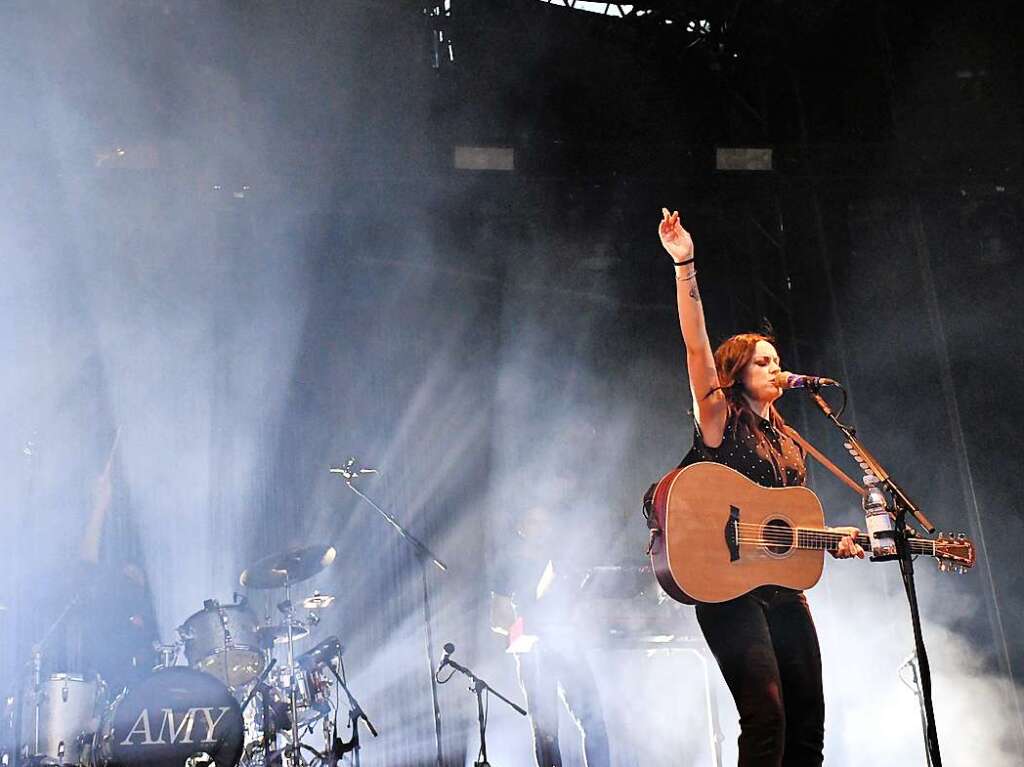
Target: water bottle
878, 521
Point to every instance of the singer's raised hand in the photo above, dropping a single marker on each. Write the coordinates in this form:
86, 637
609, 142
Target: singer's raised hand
674, 238
848, 546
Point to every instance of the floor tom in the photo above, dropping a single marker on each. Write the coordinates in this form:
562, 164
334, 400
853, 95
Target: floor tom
59, 717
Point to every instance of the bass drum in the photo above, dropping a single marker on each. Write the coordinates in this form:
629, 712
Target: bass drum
175, 716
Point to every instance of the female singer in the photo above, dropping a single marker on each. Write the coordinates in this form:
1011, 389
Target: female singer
764, 641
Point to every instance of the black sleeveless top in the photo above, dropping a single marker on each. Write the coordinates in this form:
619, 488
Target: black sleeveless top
747, 455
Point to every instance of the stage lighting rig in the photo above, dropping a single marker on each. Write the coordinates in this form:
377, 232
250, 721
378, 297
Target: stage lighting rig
442, 51
704, 23
695, 17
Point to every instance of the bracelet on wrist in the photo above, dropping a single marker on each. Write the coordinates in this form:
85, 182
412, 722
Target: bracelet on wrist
683, 263
687, 278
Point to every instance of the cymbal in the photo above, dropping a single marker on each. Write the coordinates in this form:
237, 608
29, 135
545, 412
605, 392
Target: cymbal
278, 634
318, 601
290, 567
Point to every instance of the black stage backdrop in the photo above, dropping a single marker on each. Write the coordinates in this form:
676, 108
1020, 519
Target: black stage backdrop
232, 232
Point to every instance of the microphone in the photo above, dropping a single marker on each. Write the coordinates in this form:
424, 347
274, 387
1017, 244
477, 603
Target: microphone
449, 648
787, 380
350, 471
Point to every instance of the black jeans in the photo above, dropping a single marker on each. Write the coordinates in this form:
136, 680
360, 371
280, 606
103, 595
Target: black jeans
547, 673
767, 649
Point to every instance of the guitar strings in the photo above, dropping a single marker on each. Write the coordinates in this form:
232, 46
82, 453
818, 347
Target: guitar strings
766, 535
921, 548
805, 543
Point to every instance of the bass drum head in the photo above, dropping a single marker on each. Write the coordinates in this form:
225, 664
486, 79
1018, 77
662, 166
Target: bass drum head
169, 717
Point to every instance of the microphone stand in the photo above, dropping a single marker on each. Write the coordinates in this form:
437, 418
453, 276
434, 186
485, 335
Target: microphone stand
480, 687
914, 685
902, 505
425, 556
258, 684
355, 713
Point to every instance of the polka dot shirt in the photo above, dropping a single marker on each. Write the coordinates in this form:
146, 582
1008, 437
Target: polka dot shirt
750, 457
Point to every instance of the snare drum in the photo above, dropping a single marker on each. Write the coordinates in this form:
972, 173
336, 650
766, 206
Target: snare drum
222, 640
68, 706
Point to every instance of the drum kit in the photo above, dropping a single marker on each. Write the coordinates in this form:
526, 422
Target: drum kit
233, 703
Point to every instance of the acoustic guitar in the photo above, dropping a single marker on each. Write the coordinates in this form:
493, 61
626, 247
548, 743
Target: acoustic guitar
719, 535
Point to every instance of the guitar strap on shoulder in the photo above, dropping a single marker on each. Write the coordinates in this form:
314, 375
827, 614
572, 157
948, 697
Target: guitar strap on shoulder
823, 459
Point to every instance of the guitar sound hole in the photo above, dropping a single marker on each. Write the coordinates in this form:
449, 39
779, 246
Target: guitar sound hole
778, 536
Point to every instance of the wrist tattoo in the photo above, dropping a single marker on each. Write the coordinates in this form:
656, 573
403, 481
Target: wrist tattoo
694, 293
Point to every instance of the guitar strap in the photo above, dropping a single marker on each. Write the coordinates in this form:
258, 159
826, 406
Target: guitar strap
823, 459
648, 506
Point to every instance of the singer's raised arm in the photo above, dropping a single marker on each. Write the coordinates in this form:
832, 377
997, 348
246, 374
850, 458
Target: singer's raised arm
709, 404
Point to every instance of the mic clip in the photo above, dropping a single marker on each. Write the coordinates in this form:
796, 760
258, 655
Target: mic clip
350, 471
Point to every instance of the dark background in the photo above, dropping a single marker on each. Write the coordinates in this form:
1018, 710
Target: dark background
283, 268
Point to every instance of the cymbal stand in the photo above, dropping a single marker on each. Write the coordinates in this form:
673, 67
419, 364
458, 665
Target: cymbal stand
295, 758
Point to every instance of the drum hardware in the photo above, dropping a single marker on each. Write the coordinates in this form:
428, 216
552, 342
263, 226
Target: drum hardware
312, 685
281, 571
30, 732
295, 755
257, 751
57, 716
223, 640
257, 684
278, 633
170, 717
318, 601
327, 653
167, 653
312, 695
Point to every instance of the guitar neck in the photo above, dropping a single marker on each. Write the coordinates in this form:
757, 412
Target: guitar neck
828, 540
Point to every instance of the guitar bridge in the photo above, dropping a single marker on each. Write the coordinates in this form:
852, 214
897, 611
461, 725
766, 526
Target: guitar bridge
732, 533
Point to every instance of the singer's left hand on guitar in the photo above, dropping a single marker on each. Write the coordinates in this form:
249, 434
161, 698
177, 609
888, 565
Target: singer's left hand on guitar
848, 546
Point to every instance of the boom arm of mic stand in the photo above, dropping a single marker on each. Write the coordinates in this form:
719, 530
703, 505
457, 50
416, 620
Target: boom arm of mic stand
259, 681
415, 542
481, 685
900, 498
357, 710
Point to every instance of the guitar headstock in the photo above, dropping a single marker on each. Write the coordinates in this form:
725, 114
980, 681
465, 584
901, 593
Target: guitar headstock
954, 552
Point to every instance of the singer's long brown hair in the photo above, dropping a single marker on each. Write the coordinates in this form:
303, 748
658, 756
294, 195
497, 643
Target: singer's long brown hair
731, 357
